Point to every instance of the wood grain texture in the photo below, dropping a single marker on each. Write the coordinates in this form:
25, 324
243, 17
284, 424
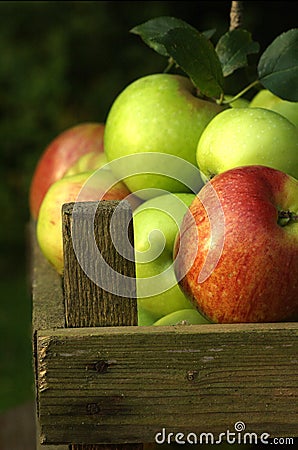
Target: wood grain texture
123, 384
47, 293
90, 300
86, 302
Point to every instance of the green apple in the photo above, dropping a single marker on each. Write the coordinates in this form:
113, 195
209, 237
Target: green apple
239, 103
266, 99
157, 114
162, 295
162, 215
156, 224
182, 317
248, 136
144, 317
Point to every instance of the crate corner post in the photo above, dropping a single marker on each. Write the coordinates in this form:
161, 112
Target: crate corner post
72, 306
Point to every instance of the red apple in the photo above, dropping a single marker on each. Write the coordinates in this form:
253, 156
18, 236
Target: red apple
60, 155
65, 190
254, 276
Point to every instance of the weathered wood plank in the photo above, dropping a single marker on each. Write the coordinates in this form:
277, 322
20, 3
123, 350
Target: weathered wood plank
87, 303
47, 293
40, 446
97, 248
123, 384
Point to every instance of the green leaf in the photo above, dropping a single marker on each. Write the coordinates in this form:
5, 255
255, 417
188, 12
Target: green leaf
233, 48
209, 33
278, 66
151, 30
196, 56
189, 49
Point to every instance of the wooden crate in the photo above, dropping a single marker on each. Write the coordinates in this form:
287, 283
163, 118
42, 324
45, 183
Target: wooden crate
103, 380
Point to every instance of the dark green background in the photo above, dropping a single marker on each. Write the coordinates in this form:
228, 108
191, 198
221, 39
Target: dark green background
61, 64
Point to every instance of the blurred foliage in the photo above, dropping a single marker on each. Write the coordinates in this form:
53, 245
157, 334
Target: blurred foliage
16, 379
64, 63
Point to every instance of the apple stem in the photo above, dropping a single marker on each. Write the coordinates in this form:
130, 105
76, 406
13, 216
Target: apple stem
247, 88
236, 15
171, 62
285, 217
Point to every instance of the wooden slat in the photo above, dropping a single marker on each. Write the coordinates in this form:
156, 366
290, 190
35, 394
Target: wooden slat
123, 384
87, 303
47, 294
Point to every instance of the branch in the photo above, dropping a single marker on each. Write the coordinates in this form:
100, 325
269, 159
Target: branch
236, 15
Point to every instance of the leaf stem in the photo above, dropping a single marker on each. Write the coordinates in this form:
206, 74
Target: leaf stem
171, 62
247, 88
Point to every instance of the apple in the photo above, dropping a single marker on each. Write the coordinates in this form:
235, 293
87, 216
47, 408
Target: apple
144, 317
255, 279
241, 102
248, 136
161, 294
63, 152
182, 317
157, 114
156, 223
266, 99
66, 190
89, 161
